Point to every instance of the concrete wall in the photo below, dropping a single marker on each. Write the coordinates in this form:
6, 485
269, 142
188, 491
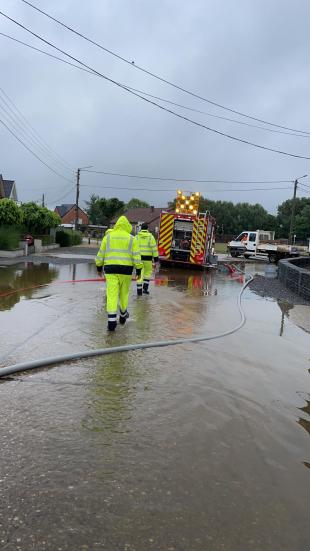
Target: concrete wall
12, 254
39, 248
295, 275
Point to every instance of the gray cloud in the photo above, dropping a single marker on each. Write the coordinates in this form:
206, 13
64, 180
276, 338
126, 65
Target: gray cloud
251, 56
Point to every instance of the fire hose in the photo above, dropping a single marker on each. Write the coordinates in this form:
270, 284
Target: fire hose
55, 360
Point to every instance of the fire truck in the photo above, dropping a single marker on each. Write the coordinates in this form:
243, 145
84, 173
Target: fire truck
186, 236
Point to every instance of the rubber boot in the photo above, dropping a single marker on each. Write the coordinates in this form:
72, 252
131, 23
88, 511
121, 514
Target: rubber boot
139, 291
146, 289
112, 325
123, 317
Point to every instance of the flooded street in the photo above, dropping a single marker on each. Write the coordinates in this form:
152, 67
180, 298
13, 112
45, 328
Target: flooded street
194, 447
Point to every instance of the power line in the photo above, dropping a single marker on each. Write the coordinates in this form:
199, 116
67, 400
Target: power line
32, 152
178, 87
15, 123
62, 197
139, 177
196, 123
158, 97
204, 191
52, 153
235, 121
304, 188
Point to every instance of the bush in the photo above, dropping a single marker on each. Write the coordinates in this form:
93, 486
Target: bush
9, 238
38, 219
10, 213
67, 238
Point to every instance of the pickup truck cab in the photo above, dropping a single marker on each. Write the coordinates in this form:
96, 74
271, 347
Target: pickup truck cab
261, 243
246, 243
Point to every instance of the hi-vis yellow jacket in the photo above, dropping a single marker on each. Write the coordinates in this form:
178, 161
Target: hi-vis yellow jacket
119, 252
147, 245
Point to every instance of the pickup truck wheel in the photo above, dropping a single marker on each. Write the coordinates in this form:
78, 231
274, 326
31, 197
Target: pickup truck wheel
273, 258
234, 254
246, 256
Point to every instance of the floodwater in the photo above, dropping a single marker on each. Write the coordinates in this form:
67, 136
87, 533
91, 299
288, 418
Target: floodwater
195, 447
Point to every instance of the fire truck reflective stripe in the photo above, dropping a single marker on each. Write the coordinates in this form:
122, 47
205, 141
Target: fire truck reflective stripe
166, 222
198, 238
166, 229
166, 225
166, 233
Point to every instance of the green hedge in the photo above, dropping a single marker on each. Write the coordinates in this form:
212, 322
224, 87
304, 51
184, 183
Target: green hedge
9, 238
46, 239
67, 238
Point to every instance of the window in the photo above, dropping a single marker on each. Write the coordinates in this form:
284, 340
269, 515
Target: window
252, 237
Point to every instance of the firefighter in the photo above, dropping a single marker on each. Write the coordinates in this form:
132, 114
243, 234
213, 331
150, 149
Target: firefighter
149, 253
119, 253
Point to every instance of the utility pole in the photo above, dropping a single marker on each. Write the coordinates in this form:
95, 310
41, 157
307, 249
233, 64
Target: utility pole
290, 237
43, 203
78, 172
77, 198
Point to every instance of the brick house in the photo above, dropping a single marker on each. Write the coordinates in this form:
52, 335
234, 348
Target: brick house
8, 189
67, 214
137, 216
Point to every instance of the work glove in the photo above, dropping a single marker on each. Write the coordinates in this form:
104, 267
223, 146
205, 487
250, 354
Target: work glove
99, 270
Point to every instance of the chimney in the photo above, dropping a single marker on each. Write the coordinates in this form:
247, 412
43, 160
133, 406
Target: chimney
152, 208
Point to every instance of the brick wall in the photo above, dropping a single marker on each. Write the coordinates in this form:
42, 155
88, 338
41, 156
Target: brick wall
295, 275
69, 217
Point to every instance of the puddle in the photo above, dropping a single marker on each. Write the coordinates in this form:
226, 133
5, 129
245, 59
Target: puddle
195, 447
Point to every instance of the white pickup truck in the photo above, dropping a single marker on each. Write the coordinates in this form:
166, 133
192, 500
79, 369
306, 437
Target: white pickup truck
262, 243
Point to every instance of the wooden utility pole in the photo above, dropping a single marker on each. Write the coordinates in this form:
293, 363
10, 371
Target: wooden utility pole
290, 237
77, 198
43, 203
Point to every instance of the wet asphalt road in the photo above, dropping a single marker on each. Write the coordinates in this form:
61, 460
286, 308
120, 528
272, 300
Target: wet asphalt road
197, 447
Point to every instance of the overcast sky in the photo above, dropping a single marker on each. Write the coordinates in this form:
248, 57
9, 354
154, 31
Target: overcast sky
250, 55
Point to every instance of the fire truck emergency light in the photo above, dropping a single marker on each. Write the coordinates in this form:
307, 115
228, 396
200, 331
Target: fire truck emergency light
187, 204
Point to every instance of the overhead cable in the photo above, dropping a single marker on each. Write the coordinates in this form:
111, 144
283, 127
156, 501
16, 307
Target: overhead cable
139, 177
150, 73
32, 131
19, 128
33, 153
191, 121
161, 190
143, 92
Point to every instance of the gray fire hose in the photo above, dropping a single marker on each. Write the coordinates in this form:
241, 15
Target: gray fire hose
54, 360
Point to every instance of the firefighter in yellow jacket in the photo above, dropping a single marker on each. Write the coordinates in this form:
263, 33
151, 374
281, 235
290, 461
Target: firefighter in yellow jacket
119, 254
149, 254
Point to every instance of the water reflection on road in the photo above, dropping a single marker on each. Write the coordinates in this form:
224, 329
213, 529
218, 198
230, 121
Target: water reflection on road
196, 447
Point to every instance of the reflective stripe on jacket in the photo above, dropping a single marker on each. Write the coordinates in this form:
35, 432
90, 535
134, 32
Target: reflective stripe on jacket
147, 245
119, 252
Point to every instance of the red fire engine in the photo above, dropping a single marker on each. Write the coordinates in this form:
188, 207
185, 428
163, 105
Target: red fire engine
186, 236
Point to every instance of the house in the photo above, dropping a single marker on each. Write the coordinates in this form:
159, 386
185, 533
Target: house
67, 214
137, 216
8, 189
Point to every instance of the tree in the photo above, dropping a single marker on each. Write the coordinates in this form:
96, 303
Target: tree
234, 218
302, 218
10, 213
101, 210
38, 219
135, 203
